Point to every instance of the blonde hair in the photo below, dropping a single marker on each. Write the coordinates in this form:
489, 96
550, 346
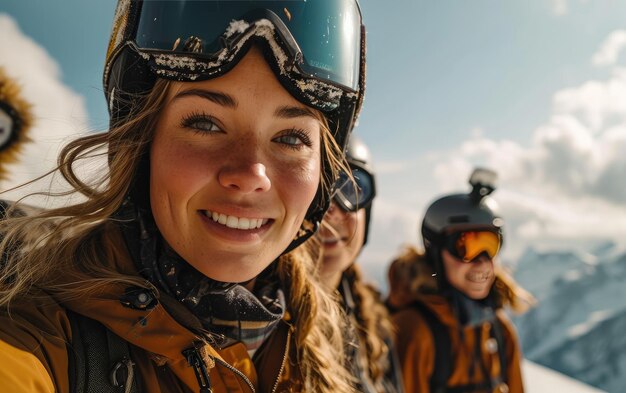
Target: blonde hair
70, 239
410, 274
373, 325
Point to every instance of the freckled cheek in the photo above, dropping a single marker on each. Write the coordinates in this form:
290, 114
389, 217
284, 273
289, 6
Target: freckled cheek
298, 183
178, 169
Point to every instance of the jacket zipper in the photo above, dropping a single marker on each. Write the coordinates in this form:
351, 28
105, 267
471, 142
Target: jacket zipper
199, 367
233, 369
282, 364
202, 374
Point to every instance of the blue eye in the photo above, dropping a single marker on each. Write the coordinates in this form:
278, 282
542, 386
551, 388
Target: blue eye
295, 139
289, 140
200, 122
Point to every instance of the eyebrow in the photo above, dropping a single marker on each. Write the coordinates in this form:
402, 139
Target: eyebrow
213, 96
291, 112
285, 112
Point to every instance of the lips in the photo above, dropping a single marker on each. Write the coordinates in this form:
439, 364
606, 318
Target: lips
233, 222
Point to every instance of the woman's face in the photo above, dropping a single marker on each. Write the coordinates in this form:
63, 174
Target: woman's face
234, 165
473, 279
342, 235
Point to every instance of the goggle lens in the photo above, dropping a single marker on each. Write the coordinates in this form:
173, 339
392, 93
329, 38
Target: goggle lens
326, 31
354, 195
467, 246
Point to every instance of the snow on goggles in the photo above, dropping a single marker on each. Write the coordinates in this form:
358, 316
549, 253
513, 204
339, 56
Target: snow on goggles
468, 245
323, 36
352, 195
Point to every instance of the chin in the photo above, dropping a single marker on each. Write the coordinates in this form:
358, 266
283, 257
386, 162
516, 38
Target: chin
234, 276
477, 294
232, 270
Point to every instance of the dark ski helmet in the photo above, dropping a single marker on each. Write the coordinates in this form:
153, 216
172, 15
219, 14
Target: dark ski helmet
316, 49
346, 196
461, 212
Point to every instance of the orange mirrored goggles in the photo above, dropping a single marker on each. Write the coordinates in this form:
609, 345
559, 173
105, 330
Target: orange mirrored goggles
468, 245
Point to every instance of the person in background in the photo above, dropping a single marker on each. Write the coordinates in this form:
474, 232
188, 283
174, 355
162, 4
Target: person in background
343, 234
16, 119
447, 303
184, 266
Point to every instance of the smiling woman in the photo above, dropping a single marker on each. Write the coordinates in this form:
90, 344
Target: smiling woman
448, 302
227, 127
227, 153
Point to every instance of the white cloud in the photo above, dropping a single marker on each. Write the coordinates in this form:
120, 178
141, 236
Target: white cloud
565, 188
610, 49
568, 184
595, 103
60, 113
559, 7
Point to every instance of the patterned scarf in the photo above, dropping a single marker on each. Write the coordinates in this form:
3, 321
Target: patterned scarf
225, 309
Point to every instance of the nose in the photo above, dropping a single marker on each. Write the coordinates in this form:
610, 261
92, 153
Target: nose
245, 177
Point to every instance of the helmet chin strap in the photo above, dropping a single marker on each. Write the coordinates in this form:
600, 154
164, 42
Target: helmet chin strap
303, 235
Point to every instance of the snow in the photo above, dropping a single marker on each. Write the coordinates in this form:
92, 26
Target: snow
539, 379
577, 327
585, 327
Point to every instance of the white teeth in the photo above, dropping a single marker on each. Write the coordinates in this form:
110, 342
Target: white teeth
479, 277
222, 219
236, 222
244, 223
232, 222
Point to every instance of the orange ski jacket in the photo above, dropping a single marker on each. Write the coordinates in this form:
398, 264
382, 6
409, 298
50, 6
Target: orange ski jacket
35, 337
415, 344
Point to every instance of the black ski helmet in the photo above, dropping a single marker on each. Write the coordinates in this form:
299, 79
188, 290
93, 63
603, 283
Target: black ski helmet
359, 158
460, 212
316, 49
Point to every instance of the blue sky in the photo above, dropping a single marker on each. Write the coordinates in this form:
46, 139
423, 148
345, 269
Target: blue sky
434, 67
451, 84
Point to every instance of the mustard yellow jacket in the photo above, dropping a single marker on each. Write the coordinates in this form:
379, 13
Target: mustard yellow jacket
416, 348
34, 340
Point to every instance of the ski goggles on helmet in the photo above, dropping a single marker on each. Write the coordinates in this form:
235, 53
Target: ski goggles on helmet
469, 245
352, 194
316, 44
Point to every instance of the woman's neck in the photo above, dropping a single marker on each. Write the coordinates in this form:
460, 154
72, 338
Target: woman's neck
330, 279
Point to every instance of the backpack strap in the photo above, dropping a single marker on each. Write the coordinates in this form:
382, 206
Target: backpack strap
491, 382
496, 332
444, 358
99, 360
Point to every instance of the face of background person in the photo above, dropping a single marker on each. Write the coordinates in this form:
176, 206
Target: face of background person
473, 279
341, 235
234, 165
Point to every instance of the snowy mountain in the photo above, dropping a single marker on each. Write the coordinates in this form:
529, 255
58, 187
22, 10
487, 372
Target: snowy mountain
578, 327
539, 379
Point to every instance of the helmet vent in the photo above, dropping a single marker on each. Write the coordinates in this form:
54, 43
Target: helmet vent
458, 219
